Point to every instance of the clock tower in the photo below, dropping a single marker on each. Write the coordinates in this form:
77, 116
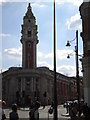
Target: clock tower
29, 40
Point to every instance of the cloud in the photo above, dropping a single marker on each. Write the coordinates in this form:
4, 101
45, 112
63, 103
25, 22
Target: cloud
74, 22
68, 70
74, 2
38, 2
14, 53
43, 55
5, 35
35, 3
44, 64
61, 54
61, 2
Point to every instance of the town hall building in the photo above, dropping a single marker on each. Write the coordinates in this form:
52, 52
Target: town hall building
28, 83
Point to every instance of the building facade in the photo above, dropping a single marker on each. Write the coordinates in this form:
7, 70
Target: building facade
29, 83
85, 16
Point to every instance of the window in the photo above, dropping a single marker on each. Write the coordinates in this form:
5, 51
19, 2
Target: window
29, 33
29, 21
29, 44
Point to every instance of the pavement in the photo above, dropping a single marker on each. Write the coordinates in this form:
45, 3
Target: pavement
43, 113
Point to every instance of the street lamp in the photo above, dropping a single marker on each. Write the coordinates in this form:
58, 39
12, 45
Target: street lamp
55, 81
77, 68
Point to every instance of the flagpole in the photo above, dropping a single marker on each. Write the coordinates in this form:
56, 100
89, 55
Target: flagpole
55, 81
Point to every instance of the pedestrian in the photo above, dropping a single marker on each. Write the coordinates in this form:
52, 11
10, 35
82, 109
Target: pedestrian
14, 115
73, 111
0, 109
86, 111
31, 113
36, 113
67, 107
3, 106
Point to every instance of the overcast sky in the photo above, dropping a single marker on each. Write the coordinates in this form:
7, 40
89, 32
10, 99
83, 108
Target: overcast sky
67, 22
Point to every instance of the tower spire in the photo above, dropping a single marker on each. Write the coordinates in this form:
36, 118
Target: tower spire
29, 6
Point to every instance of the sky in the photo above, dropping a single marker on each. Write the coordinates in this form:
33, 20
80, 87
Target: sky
67, 22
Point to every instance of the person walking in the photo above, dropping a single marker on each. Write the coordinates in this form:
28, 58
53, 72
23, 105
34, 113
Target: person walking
0, 109
31, 113
36, 113
73, 111
86, 111
67, 107
14, 115
3, 106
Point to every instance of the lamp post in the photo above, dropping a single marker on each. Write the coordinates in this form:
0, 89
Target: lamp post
55, 81
77, 71
77, 68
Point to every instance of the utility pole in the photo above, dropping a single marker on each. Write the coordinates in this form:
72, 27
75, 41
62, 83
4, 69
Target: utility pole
77, 72
55, 81
77, 68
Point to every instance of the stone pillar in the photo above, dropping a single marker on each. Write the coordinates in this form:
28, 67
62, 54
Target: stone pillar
85, 16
